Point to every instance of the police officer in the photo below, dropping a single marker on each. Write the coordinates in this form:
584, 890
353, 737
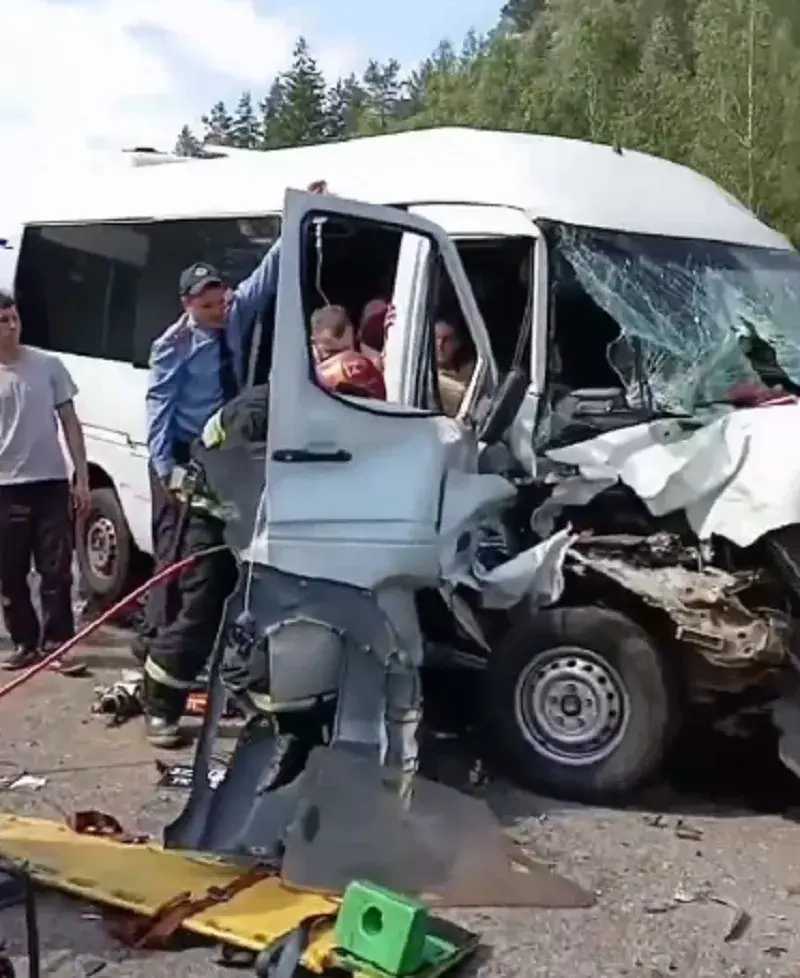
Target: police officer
196, 366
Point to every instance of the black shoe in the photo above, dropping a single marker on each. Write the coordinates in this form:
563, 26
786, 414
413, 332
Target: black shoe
22, 658
163, 733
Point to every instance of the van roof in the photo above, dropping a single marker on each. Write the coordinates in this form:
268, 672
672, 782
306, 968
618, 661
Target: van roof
548, 177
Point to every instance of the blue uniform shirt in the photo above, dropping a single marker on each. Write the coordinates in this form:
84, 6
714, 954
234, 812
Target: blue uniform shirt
184, 387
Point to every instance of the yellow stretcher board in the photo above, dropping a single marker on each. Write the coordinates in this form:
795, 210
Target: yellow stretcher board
142, 878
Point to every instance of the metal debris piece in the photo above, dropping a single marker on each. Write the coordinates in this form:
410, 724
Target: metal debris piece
93, 966
686, 831
738, 925
22, 782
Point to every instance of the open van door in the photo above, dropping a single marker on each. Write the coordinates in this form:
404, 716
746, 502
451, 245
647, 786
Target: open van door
353, 486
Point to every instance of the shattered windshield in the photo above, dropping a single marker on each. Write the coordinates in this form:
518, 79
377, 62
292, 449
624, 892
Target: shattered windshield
697, 319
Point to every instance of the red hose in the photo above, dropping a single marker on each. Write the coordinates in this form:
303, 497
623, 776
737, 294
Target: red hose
171, 570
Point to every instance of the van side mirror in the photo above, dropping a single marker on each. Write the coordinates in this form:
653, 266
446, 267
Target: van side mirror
503, 407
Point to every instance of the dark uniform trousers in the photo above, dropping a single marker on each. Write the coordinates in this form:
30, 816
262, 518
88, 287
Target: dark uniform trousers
191, 609
36, 525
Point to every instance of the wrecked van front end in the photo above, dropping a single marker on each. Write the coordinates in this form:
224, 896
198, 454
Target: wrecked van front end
673, 457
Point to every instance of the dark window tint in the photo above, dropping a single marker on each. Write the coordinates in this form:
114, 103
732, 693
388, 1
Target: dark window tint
234, 245
108, 290
76, 288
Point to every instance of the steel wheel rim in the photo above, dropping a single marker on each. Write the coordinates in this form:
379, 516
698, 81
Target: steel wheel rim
571, 706
101, 546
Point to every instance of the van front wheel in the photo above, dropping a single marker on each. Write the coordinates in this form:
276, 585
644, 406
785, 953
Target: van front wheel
104, 547
580, 704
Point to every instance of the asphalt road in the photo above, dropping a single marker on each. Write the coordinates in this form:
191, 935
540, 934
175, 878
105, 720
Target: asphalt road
672, 875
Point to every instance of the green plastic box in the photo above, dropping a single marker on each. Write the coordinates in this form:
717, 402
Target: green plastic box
382, 929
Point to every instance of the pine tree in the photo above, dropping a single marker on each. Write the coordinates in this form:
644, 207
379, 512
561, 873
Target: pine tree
441, 62
218, 126
270, 108
300, 115
383, 88
344, 103
520, 15
245, 129
187, 144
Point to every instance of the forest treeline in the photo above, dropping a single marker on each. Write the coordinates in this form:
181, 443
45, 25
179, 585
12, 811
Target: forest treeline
711, 83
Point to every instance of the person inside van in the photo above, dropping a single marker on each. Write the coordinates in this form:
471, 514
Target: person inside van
455, 361
333, 331
373, 324
37, 501
343, 363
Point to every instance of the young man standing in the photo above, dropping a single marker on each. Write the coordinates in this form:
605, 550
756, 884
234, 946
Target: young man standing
37, 500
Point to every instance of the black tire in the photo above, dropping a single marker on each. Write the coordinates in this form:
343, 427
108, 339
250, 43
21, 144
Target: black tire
109, 586
616, 642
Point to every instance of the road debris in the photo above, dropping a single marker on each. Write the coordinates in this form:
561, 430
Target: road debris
739, 922
92, 966
22, 782
179, 776
681, 828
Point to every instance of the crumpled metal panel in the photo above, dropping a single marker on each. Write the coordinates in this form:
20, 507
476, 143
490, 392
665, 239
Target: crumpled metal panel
704, 606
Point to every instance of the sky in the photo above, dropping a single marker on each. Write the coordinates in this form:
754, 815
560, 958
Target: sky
107, 74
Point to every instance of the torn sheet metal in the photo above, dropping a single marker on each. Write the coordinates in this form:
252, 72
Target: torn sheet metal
480, 561
702, 602
573, 491
736, 478
440, 845
535, 575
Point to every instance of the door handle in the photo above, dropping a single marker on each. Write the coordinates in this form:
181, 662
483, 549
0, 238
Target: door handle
306, 455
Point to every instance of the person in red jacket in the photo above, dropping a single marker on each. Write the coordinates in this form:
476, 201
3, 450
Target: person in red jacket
344, 365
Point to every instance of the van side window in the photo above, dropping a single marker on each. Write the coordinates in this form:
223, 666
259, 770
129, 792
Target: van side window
76, 287
235, 246
107, 290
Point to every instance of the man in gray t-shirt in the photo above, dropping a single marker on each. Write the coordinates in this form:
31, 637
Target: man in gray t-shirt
36, 496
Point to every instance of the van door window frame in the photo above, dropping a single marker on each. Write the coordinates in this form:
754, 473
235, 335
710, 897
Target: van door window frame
416, 306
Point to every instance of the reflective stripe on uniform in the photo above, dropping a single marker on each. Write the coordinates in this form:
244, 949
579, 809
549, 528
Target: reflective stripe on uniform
213, 433
264, 703
160, 675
